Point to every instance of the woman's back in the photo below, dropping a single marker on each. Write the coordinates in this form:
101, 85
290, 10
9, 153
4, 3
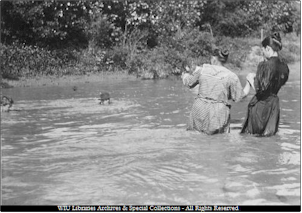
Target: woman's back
219, 83
271, 76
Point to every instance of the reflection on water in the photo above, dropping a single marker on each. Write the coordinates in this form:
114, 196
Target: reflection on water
60, 147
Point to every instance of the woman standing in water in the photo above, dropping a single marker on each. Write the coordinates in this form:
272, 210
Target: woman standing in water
263, 110
217, 85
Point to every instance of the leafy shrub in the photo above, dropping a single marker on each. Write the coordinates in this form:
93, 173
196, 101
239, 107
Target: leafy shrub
293, 48
116, 57
287, 56
102, 32
19, 60
238, 48
186, 47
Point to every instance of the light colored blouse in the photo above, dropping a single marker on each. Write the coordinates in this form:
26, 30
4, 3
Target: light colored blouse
215, 82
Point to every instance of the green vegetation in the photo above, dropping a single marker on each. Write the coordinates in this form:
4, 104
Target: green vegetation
150, 39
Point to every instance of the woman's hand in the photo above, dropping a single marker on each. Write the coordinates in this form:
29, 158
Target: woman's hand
250, 78
187, 69
184, 77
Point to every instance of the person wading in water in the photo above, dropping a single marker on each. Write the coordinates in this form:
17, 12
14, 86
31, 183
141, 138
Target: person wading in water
263, 112
210, 113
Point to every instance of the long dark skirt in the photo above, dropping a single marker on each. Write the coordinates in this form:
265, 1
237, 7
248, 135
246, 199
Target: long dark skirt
262, 117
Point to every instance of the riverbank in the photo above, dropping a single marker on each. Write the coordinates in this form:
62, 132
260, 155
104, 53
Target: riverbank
88, 65
66, 80
110, 76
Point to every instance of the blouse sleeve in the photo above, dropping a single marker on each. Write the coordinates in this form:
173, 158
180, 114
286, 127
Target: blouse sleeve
284, 74
236, 91
192, 80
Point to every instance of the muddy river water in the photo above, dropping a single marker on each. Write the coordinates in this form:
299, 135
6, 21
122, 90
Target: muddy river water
59, 146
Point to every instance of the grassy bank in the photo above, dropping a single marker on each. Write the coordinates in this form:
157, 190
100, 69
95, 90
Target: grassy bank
72, 80
24, 65
67, 80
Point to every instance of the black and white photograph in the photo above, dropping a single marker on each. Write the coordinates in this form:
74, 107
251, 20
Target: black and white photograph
150, 105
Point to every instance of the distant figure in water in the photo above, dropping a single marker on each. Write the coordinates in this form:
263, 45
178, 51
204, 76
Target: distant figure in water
263, 112
6, 103
104, 96
74, 88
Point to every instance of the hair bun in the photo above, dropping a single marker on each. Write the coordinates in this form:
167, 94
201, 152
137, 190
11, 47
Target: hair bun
225, 53
221, 54
276, 36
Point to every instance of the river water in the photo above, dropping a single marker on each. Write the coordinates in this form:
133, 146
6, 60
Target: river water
59, 146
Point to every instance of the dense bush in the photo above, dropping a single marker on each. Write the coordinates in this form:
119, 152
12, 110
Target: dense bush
185, 47
146, 38
287, 56
189, 47
238, 48
20, 60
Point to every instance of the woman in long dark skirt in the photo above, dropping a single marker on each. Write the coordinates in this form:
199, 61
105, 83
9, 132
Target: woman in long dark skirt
263, 110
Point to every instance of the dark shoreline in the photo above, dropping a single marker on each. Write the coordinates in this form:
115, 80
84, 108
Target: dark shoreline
109, 76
